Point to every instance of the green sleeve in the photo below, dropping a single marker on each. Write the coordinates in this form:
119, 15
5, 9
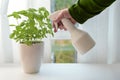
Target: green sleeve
85, 9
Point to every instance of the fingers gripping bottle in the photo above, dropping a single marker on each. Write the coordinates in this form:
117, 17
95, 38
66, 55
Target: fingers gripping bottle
81, 40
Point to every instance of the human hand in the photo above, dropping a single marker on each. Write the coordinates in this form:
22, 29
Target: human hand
57, 21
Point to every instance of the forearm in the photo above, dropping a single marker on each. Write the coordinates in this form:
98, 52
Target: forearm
85, 9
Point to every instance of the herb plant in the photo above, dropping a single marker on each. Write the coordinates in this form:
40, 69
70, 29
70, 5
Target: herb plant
31, 25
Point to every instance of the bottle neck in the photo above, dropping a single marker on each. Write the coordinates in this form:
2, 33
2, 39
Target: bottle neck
68, 25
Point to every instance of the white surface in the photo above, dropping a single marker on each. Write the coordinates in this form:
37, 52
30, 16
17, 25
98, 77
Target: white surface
63, 72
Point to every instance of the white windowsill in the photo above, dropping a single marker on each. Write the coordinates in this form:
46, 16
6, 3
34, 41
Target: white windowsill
63, 72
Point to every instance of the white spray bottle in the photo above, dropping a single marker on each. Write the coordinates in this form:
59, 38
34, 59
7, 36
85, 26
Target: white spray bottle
81, 40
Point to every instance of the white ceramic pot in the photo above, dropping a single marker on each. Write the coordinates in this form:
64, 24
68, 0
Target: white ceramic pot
31, 57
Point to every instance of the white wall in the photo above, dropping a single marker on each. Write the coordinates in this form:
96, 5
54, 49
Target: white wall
114, 33
39, 3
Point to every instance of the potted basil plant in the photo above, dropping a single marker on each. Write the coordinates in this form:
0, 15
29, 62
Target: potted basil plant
32, 25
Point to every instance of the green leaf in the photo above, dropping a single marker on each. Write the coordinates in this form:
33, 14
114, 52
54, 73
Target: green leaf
12, 35
18, 28
32, 10
15, 15
12, 25
22, 23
